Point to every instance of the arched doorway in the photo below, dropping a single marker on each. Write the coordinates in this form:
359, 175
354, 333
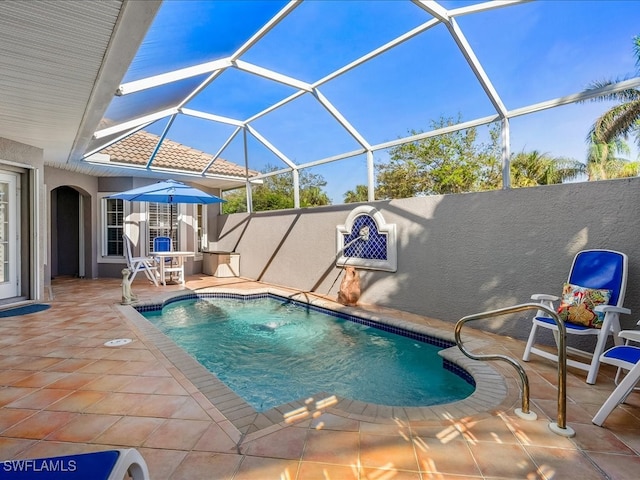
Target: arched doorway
70, 229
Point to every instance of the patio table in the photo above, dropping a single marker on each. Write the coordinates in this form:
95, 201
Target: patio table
177, 267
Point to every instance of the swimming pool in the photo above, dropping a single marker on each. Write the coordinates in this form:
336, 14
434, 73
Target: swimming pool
272, 350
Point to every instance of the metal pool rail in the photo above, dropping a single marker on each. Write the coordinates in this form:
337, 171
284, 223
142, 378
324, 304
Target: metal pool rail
560, 427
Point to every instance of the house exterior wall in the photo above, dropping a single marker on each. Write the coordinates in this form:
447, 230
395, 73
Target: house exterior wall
87, 187
136, 224
28, 160
457, 254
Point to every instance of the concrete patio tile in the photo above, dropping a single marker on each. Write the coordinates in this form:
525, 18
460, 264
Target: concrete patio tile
205, 466
162, 463
388, 452
40, 379
191, 410
215, 439
259, 468
73, 381
71, 365
287, 443
39, 425
502, 461
384, 474
109, 382
554, 462
164, 406
592, 438
324, 471
117, 404
129, 431
40, 399
177, 434
615, 465
11, 394
341, 448
13, 448
13, 416
78, 401
328, 421
103, 366
83, 428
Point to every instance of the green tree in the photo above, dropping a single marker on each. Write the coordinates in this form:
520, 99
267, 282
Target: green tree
614, 126
360, 194
603, 163
236, 201
276, 193
530, 169
450, 163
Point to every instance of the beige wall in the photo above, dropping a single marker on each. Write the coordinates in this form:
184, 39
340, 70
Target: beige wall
28, 162
457, 254
87, 187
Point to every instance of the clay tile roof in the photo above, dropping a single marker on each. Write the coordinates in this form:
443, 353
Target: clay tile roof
136, 149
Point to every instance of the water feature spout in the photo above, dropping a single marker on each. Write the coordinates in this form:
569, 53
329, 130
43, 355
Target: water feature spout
364, 236
374, 239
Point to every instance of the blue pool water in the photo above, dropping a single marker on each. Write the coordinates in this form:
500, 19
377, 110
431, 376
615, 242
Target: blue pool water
271, 351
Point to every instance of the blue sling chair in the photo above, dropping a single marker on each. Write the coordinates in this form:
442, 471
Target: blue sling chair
162, 244
592, 303
105, 465
627, 358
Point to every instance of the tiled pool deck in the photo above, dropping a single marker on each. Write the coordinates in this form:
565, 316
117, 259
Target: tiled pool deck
62, 391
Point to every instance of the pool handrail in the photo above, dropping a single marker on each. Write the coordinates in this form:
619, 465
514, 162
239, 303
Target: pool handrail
560, 426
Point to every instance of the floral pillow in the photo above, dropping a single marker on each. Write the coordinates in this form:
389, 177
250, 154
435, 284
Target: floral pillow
577, 305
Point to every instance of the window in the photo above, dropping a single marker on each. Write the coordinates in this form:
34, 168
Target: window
114, 227
163, 222
201, 228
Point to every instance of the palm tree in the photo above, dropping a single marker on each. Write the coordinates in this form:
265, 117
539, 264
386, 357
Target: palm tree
603, 164
530, 169
360, 194
616, 124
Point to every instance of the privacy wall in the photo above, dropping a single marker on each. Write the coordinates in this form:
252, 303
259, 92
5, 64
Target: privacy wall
456, 254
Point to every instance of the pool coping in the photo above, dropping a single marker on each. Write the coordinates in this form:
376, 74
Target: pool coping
491, 387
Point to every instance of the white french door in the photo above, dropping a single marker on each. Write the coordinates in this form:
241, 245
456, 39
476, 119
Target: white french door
9, 286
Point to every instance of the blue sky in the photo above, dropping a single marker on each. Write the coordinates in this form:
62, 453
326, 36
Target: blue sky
531, 53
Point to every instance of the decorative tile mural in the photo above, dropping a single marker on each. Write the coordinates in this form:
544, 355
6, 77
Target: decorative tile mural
367, 241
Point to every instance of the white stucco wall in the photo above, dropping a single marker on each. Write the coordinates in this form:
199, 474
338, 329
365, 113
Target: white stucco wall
457, 254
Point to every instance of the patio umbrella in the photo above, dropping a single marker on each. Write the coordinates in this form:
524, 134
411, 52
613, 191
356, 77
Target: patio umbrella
168, 191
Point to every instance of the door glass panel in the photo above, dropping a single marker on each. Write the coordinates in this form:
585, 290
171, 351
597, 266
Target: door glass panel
4, 230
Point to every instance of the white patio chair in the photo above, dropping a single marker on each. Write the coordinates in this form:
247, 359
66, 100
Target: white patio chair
625, 357
600, 274
135, 264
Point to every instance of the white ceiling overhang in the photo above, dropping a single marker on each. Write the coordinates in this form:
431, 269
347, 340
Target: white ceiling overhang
60, 64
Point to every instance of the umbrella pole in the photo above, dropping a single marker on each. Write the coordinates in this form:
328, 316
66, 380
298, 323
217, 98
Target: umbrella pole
171, 222
171, 236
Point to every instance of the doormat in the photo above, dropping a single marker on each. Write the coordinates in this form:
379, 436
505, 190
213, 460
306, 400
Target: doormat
24, 310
